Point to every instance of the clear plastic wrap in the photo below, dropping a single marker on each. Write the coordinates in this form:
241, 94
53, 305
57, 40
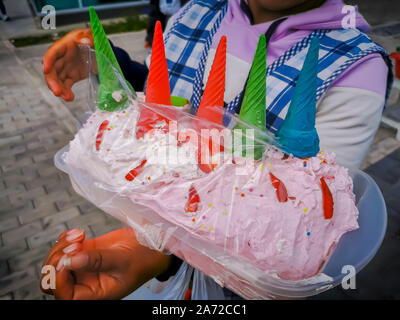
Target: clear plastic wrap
224, 214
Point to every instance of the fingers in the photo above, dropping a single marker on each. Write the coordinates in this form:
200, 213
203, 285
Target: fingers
64, 285
67, 251
103, 260
68, 289
53, 84
61, 86
69, 242
59, 65
56, 51
65, 239
67, 94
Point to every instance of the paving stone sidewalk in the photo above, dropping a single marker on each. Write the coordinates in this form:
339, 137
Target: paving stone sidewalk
37, 201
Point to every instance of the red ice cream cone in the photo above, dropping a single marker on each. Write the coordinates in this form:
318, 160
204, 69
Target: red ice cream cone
213, 95
211, 106
158, 89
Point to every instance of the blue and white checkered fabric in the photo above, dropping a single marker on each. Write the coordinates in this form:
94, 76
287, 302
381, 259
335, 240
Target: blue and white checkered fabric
188, 42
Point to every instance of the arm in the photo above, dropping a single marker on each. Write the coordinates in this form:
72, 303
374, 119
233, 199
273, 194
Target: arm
64, 64
107, 267
347, 120
349, 113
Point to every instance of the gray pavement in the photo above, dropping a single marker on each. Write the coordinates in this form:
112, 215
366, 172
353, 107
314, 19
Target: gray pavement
37, 201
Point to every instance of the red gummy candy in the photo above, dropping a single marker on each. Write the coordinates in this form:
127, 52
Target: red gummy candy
212, 145
281, 191
136, 171
192, 205
99, 137
148, 120
327, 200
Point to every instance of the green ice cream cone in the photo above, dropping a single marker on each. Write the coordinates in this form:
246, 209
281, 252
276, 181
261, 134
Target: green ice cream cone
253, 109
110, 73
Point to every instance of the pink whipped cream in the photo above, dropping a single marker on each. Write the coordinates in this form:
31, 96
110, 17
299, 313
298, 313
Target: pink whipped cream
240, 213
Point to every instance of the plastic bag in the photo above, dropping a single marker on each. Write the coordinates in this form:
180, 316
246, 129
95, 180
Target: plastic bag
173, 289
209, 198
204, 288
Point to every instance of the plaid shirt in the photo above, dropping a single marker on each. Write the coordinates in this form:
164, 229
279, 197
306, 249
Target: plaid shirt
188, 41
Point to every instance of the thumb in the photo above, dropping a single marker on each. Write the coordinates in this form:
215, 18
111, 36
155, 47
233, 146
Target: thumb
64, 285
94, 260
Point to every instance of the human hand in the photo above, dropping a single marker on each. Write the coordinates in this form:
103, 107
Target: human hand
64, 65
106, 267
147, 45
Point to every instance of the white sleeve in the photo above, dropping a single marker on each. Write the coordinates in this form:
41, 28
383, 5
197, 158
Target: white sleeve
347, 121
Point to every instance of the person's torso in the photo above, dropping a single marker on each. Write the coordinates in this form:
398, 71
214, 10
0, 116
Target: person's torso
191, 40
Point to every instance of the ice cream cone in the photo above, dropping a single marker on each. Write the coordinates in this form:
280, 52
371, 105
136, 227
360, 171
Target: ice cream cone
298, 135
211, 107
253, 109
158, 89
110, 73
212, 102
